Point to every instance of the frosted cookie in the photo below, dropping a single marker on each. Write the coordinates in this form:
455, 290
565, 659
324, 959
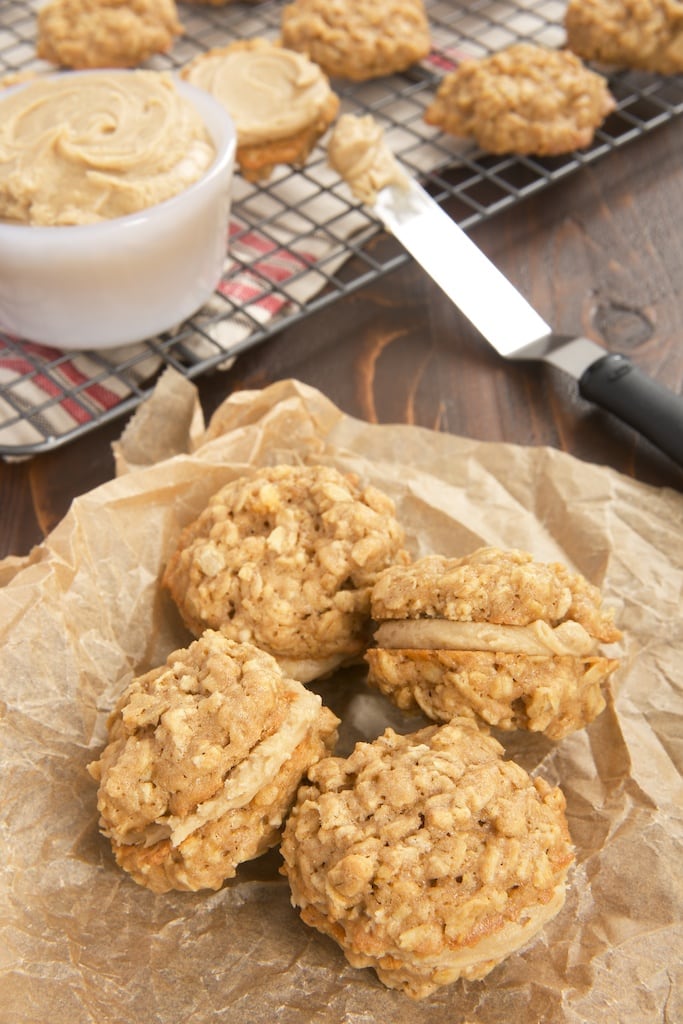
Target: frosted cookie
644, 34
203, 761
496, 635
105, 33
524, 99
285, 558
281, 102
427, 857
358, 41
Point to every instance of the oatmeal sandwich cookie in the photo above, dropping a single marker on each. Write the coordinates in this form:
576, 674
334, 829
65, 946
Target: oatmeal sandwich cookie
524, 99
204, 758
495, 635
281, 102
84, 34
285, 558
642, 34
360, 40
427, 857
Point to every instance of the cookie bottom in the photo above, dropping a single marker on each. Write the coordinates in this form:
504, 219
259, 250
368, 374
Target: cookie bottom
554, 695
84, 34
626, 34
421, 979
523, 99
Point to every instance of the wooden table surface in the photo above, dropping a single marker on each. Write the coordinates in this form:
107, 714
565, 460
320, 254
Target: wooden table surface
600, 253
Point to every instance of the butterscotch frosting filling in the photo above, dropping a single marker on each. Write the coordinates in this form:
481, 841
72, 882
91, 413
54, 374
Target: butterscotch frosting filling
357, 150
82, 148
538, 638
270, 92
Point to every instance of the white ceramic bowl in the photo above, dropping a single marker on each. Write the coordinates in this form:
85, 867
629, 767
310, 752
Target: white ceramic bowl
126, 279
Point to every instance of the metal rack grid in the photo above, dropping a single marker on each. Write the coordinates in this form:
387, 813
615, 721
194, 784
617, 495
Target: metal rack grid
299, 241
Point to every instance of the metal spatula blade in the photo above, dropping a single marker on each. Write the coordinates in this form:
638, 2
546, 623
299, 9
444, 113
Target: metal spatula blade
507, 321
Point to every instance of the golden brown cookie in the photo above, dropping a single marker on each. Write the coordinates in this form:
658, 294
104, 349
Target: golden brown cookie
204, 758
495, 634
105, 33
644, 34
285, 558
281, 102
427, 857
362, 40
523, 99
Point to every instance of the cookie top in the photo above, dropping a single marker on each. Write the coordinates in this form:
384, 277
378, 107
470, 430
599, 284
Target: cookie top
271, 92
627, 33
285, 558
426, 856
494, 586
523, 99
366, 39
105, 33
196, 739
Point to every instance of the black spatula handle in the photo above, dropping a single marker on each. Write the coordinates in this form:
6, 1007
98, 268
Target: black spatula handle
618, 386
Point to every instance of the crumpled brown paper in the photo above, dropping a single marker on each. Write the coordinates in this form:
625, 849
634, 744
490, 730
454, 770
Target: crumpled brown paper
80, 942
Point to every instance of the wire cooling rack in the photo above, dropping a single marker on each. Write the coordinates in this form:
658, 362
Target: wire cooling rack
300, 241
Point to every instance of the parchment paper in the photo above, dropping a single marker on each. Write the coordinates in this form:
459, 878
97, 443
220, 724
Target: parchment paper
80, 942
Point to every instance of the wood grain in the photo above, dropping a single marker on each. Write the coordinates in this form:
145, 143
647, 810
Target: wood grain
600, 253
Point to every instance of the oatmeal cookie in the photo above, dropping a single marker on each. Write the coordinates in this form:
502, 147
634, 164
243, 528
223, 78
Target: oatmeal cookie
285, 558
84, 34
427, 857
643, 34
204, 758
281, 102
497, 635
358, 41
523, 99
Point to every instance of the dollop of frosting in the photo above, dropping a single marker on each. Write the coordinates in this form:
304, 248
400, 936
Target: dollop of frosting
270, 92
358, 151
82, 148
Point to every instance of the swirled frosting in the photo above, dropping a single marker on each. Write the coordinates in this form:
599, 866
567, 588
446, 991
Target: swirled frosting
270, 92
81, 148
358, 152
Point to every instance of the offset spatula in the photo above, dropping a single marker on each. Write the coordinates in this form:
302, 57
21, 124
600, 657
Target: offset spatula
515, 330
